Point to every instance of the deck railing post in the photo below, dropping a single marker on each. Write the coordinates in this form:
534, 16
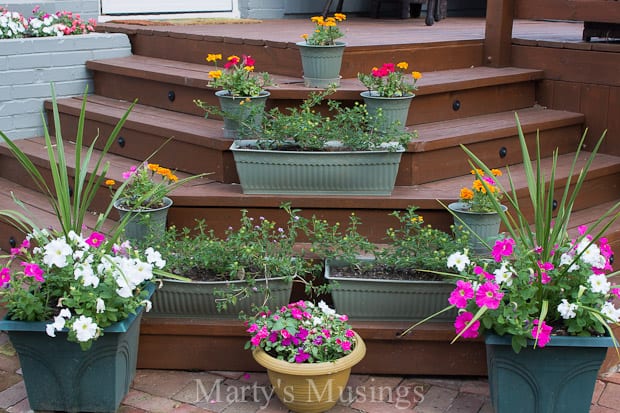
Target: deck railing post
498, 33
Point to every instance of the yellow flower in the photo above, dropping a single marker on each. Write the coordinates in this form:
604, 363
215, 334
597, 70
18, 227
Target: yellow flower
110, 182
477, 172
215, 74
496, 172
233, 57
304, 36
467, 194
213, 57
403, 65
340, 17
317, 19
416, 75
248, 68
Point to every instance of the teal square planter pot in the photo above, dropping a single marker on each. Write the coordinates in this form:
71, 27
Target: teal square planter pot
275, 172
59, 376
389, 300
198, 299
558, 378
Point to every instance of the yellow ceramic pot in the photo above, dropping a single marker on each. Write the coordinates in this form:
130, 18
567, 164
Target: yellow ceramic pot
310, 388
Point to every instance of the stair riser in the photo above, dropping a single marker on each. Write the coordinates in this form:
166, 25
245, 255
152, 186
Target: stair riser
139, 145
424, 108
375, 215
429, 166
284, 59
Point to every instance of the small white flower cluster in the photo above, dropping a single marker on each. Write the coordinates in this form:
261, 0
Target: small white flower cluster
12, 25
47, 26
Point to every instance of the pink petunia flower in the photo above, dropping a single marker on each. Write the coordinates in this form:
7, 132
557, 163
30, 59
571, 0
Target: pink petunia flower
461, 323
5, 276
478, 270
544, 336
489, 295
502, 248
33, 270
461, 294
95, 240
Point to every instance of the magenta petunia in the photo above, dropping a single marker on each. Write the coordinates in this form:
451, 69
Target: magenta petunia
478, 270
301, 356
5, 276
95, 240
489, 295
461, 294
33, 270
345, 345
461, 323
544, 336
502, 248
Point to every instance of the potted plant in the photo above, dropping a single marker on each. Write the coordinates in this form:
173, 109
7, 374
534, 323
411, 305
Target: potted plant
475, 211
390, 92
142, 201
74, 301
400, 279
321, 54
544, 299
243, 95
308, 351
41, 24
302, 151
254, 263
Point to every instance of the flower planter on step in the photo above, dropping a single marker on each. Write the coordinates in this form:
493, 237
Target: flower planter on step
198, 298
389, 300
394, 109
321, 64
246, 113
315, 173
143, 222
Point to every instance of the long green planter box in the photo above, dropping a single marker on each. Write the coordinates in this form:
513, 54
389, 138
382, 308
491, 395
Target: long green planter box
389, 300
558, 378
315, 173
59, 376
198, 298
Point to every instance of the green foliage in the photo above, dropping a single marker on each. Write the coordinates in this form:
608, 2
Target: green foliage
238, 76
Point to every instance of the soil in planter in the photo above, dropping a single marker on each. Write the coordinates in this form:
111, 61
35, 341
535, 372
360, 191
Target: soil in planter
383, 272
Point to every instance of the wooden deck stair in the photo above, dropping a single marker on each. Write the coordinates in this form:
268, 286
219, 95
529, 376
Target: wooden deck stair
458, 102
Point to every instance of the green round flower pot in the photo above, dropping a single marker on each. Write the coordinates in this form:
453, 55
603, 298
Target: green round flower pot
242, 115
483, 224
144, 222
395, 110
558, 378
321, 64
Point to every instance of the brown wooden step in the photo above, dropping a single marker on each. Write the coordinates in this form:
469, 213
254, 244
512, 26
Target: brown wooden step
38, 210
273, 45
199, 146
442, 95
436, 153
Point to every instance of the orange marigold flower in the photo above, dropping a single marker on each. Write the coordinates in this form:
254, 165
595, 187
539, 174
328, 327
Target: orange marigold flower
317, 19
215, 74
416, 75
496, 172
304, 36
172, 177
340, 17
213, 57
479, 186
403, 65
477, 172
163, 171
110, 182
153, 167
467, 194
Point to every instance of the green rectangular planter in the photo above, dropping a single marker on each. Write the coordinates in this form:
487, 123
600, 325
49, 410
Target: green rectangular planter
198, 298
558, 378
389, 300
59, 376
316, 173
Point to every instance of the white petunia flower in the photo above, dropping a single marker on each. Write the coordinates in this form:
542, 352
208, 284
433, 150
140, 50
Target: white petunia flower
56, 253
458, 260
326, 309
148, 305
503, 274
566, 309
50, 330
611, 312
154, 257
65, 312
599, 283
85, 328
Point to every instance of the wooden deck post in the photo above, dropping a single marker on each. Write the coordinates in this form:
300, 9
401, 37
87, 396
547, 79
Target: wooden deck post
498, 33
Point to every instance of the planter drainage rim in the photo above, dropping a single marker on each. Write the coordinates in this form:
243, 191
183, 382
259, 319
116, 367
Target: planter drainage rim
556, 341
